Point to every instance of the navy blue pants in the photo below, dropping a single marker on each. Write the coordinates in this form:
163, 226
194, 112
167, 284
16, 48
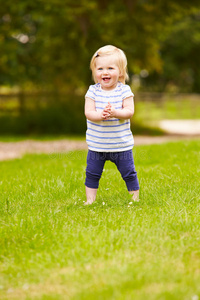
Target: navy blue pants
124, 162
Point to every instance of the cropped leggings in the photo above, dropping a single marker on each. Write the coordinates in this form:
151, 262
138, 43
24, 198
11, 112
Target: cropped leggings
124, 162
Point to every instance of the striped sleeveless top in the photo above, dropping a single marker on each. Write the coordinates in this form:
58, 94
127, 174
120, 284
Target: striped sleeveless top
113, 135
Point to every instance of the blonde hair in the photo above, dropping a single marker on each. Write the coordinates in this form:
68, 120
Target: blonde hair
120, 60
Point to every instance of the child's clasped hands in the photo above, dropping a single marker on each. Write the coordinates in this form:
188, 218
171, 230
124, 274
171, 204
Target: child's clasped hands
108, 112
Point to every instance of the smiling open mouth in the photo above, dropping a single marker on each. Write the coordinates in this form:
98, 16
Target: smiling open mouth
106, 78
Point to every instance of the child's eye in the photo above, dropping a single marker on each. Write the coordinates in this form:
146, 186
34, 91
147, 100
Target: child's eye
100, 69
110, 68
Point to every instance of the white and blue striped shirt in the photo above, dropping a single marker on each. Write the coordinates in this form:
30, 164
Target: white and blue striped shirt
113, 135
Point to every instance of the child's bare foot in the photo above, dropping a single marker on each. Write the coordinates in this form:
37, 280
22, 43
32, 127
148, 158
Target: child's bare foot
88, 202
135, 197
90, 195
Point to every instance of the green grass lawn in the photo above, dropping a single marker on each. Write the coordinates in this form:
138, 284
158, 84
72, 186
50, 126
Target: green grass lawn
53, 247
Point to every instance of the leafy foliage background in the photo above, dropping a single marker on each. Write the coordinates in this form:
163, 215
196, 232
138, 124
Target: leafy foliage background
48, 44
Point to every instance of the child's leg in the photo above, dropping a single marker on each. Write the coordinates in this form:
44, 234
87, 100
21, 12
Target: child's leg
125, 165
95, 164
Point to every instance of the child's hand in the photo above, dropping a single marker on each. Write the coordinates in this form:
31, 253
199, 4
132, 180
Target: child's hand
106, 112
110, 109
105, 115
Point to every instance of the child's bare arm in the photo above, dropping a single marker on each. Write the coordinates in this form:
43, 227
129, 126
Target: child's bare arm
91, 113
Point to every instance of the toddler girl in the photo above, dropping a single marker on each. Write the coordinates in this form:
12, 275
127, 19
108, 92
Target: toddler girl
108, 108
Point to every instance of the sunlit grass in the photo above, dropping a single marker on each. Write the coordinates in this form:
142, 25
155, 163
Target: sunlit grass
53, 247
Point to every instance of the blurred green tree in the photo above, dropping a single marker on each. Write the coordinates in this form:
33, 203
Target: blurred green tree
180, 54
50, 43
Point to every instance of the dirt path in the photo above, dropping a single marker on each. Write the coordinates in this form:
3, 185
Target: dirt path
188, 127
12, 150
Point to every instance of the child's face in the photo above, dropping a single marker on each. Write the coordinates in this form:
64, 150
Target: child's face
107, 72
